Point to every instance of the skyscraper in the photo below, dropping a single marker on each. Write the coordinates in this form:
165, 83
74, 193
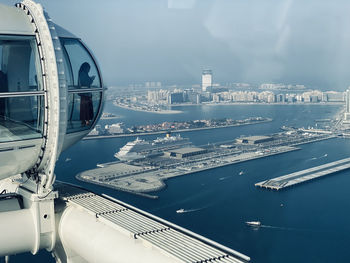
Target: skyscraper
347, 100
347, 107
207, 79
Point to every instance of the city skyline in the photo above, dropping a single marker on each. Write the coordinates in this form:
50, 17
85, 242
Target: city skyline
173, 41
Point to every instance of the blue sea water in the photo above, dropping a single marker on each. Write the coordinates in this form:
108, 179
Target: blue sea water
307, 223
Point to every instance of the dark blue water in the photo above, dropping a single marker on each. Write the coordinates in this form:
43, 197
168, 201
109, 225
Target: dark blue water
311, 226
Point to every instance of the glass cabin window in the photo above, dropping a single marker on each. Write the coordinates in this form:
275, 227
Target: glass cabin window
82, 109
19, 65
21, 95
21, 118
82, 66
85, 89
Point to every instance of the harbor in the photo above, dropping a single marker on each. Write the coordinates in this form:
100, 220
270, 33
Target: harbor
306, 175
202, 194
143, 171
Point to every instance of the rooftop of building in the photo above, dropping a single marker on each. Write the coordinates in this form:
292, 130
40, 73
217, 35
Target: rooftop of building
187, 150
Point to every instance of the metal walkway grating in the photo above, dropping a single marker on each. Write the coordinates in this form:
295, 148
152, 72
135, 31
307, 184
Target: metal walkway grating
162, 235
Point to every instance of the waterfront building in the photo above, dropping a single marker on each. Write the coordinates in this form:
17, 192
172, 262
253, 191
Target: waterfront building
312, 96
254, 139
192, 96
290, 98
280, 98
207, 79
216, 98
185, 152
270, 86
96, 131
266, 96
244, 96
225, 96
271, 98
115, 128
347, 106
336, 96
175, 97
157, 96
347, 100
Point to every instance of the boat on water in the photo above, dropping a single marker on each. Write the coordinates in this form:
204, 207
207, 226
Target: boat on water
139, 148
180, 211
241, 173
253, 223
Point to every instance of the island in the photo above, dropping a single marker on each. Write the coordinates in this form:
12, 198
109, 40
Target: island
118, 129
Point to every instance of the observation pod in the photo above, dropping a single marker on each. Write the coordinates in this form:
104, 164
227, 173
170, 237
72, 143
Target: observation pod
51, 91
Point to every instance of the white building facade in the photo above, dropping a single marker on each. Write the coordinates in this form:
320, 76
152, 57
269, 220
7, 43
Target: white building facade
207, 79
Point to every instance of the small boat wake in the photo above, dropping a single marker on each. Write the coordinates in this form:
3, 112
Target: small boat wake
279, 227
316, 158
182, 210
68, 159
227, 177
255, 225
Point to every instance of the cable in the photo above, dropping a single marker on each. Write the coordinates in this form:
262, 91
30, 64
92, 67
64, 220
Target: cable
42, 197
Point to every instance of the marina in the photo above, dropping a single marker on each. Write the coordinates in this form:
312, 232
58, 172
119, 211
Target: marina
299, 177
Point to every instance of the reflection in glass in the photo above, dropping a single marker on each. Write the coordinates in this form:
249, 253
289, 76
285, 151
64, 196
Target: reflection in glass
86, 107
76, 56
21, 118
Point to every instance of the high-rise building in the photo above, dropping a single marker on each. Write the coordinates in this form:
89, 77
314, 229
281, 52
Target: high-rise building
347, 100
207, 79
175, 97
347, 107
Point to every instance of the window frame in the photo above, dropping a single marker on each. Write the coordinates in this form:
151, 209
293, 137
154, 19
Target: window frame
74, 89
40, 94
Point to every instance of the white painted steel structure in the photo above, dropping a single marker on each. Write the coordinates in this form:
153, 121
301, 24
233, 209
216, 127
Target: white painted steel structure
111, 222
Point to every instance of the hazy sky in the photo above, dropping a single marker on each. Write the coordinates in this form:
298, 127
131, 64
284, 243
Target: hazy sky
256, 41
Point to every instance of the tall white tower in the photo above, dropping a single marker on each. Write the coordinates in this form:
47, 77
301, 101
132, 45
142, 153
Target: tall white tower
347, 106
347, 100
207, 79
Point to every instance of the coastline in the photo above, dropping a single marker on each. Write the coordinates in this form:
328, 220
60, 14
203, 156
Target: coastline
159, 182
110, 118
149, 111
142, 181
258, 103
94, 137
79, 178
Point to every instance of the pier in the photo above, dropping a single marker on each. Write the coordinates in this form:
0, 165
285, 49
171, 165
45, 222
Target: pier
305, 175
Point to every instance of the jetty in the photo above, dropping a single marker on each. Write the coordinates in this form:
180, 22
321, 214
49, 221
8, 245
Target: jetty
305, 175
